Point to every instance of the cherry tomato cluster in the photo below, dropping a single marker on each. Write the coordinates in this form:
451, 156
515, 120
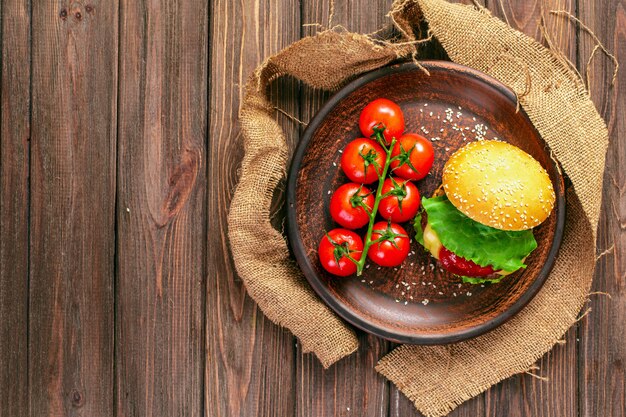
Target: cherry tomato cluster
393, 159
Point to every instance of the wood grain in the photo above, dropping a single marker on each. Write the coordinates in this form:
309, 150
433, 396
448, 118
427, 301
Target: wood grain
250, 361
602, 381
14, 210
72, 240
161, 211
105, 310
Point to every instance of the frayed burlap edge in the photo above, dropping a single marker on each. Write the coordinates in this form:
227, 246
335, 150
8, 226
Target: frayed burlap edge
260, 252
436, 379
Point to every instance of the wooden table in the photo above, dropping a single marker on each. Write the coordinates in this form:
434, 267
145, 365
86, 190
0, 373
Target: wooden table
119, 158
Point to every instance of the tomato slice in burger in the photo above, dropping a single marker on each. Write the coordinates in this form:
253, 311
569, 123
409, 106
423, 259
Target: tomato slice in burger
461, 266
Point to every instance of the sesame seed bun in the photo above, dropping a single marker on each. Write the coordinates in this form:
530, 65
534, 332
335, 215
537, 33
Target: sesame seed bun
499, 185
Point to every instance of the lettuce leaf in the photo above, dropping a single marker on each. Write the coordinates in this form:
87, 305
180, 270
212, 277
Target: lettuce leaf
481, 280
472, 240
419, 232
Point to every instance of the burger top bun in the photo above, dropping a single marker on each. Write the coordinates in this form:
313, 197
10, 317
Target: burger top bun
499, 185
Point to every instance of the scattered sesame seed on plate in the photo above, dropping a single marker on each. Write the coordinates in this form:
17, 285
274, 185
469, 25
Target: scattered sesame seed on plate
440, 293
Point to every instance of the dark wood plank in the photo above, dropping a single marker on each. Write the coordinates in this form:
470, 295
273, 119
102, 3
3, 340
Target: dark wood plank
352, 386
72, 242
602, 332
250, 361
14, 200
161, 212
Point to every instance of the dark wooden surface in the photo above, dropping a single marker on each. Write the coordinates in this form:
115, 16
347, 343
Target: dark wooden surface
119, 154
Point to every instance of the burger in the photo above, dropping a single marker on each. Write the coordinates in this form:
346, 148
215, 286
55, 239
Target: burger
478, 224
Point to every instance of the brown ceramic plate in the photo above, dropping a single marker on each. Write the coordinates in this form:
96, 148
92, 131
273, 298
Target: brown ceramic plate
389, 302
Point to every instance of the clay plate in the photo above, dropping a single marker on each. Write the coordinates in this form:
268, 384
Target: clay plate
389, 302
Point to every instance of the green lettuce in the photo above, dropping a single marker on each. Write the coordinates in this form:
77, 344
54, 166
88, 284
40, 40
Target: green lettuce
481, 280
419, 232
482, 244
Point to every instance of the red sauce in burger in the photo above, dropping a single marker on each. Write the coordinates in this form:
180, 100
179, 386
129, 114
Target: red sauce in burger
461, 266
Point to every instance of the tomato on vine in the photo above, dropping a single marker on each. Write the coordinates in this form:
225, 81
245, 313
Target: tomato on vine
362, 160
413, 156
401, 200
382, 112
339, 250
351, 205
390, 244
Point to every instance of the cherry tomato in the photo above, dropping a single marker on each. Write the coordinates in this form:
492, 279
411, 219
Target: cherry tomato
335, 248
385, 112
393, 249
346, 205
416, 156
363, 160
403, 201
452, 262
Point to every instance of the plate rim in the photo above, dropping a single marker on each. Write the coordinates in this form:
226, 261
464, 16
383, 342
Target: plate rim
305, 265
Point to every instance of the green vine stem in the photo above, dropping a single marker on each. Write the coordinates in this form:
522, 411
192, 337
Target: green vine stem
378, 132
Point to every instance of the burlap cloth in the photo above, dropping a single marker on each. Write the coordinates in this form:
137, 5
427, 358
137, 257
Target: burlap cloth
435, 378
